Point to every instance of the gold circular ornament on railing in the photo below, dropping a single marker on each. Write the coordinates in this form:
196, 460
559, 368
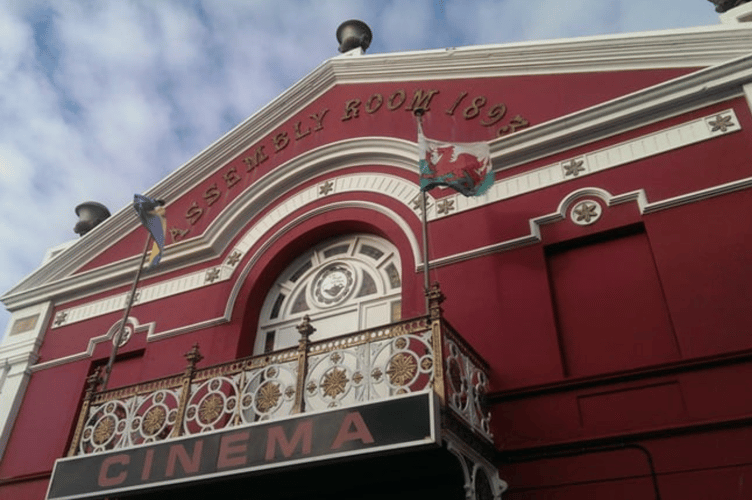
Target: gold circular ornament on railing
153, 420
426, 364
247, 401
267, 397
210, 409
334, 383
104, 430
402, 369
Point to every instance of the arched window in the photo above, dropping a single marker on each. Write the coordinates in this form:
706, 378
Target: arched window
344, 284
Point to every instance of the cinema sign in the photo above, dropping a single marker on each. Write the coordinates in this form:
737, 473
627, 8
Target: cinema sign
403, 422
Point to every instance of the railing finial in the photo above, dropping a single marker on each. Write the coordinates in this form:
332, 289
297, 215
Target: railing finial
93, 380
305, 328
193, 356
435, 298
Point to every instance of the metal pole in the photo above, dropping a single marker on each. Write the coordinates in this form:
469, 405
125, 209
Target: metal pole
129, 305
424, 207
426, 284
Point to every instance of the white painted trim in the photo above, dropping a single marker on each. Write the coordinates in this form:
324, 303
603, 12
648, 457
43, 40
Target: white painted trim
740, 14
18, 352
147, 328
465, 453
170, 287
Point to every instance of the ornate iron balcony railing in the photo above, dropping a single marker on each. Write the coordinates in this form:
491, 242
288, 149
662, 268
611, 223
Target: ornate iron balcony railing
352, 369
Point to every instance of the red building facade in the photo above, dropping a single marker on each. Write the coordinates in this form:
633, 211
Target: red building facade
603, 279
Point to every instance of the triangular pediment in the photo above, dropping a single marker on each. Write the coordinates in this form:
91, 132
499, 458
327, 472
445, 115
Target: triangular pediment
354, 110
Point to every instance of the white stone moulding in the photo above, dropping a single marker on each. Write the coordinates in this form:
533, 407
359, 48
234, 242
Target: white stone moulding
405, 192
18, 353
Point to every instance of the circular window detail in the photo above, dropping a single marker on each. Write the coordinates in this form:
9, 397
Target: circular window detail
333, 284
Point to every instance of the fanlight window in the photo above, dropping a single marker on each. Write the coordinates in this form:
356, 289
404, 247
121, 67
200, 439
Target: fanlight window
344, 284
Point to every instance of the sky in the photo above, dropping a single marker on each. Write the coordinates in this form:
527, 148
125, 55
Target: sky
102, 99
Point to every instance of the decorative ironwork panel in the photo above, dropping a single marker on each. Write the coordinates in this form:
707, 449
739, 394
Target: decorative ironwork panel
373, 365
246, 394
268, 393
155, 416
339, 372
466, 384
130, 420
212, 404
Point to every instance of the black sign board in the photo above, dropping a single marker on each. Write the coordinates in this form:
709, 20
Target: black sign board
402, 422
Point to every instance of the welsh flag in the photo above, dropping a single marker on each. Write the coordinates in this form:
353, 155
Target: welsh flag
465, 167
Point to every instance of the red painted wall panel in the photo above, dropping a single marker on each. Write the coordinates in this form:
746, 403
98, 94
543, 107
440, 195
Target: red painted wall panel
26, 490
700, 465
609, 305
502, 307
554, 414
45, 421
702, 253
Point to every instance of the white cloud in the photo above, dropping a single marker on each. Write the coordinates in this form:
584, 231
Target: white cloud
103, 99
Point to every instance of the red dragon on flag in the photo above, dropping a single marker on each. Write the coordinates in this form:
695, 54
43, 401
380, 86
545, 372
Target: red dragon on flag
465, 167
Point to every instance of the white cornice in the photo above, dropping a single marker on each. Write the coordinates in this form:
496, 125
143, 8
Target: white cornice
675, 48
684, 48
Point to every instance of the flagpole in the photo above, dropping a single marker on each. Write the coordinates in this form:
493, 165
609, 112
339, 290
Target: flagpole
124, 322
424, 206
425, 253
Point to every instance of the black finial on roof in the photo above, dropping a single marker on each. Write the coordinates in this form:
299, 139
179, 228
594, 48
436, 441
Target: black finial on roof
725, 5
352, 34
